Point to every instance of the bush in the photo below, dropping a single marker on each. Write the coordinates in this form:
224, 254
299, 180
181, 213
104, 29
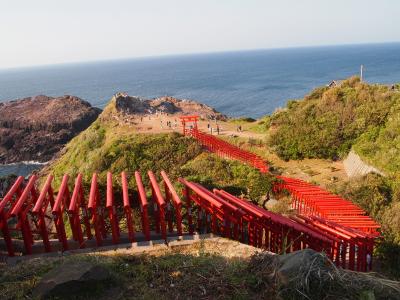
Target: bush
330, 120
232, 176
117, 153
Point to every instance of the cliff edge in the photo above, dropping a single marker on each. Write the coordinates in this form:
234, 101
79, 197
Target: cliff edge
167, 105
36, 128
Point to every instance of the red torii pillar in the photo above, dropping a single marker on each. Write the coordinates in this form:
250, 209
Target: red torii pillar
189, 119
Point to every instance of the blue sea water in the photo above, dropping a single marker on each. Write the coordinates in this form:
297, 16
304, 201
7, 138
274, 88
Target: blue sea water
245, 83
20, 169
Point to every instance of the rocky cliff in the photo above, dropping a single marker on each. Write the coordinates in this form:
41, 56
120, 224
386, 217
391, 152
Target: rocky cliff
169, 105
36, 128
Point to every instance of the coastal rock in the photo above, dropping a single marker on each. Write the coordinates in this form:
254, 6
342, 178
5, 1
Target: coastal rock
169, 105
36, 128
298, 262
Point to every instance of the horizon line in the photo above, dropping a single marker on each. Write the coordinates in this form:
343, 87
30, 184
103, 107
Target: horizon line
144, 57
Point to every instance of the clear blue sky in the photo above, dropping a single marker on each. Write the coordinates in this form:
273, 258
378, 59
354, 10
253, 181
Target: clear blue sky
35, 32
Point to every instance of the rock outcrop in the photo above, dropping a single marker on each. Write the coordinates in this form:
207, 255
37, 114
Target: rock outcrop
36, 128
169, 105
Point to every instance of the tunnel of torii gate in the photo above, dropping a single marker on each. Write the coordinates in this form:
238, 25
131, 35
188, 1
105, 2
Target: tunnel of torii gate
189, 124
130, 208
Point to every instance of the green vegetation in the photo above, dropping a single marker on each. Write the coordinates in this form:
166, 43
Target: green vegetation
242, 120
232, 176
380, 146
250, 124
260, 126
89, 152
329, 121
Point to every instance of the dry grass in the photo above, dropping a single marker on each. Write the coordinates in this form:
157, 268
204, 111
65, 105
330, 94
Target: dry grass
320, 279
208, 270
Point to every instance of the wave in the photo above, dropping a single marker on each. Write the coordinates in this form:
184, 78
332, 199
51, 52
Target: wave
22, 168
26, 162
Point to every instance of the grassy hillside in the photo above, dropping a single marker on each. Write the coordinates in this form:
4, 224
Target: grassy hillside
380, 145
108, 145
329, 121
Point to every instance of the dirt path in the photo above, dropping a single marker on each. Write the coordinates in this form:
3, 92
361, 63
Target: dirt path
158, 124
320, 171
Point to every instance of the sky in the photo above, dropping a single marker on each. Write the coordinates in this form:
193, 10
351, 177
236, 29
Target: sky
60, 31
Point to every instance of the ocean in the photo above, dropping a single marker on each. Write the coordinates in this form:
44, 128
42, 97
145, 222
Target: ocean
243, 83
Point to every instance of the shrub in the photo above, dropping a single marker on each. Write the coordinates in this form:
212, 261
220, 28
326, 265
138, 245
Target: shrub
330, 120
232, 176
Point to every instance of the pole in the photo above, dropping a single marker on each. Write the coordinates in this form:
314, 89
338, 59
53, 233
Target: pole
361, 73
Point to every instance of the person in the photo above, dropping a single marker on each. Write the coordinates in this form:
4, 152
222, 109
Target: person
162, 125
240, 128
141, 119
217, 129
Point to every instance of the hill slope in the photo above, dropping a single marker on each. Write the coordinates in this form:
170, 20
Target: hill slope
329, 121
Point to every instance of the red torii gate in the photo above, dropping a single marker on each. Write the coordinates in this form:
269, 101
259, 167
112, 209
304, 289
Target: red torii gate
189, 119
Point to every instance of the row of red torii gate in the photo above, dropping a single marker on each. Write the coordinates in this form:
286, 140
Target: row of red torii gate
75, 216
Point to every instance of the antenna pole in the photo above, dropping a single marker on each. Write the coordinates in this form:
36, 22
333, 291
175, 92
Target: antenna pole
361, 73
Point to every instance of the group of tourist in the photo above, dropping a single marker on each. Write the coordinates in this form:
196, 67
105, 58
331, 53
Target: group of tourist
169, 124
217, 129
